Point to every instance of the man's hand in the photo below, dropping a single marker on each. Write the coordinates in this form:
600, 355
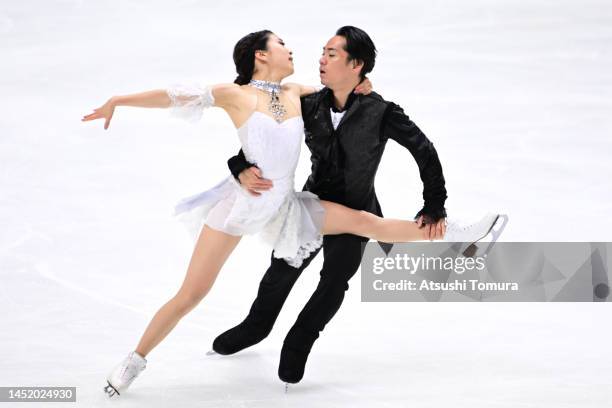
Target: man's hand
365, 87
252, 181
435, 230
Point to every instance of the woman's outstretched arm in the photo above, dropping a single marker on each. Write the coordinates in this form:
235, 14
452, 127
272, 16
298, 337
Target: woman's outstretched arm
157, 98
186, 100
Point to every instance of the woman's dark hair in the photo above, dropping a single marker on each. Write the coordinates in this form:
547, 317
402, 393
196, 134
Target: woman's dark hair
359, 47
244, 54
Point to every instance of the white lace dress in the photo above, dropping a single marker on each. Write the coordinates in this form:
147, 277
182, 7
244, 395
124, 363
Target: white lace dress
290, 221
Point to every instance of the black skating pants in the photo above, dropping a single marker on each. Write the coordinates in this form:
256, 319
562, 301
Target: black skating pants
342, 256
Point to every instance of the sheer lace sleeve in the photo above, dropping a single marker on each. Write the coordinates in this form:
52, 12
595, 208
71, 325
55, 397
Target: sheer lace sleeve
187, 101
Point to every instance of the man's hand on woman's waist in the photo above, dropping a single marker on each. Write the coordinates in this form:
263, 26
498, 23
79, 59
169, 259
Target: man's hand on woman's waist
252, 181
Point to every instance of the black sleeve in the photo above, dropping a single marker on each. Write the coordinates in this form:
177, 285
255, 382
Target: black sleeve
309, 104
398, 126
238, 163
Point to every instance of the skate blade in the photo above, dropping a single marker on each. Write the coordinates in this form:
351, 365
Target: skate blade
110, 390
286, 387
472, 250
211, 353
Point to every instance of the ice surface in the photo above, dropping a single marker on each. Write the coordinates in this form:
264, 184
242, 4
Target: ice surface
515, 95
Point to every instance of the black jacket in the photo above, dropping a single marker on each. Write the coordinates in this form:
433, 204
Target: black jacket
345, 160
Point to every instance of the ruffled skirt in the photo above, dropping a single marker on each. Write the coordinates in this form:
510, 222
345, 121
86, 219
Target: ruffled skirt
288, 220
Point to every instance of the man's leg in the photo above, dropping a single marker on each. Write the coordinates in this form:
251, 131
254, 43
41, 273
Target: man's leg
273, 291
342, 258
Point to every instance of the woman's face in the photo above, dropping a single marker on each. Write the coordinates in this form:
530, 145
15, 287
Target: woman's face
279, 57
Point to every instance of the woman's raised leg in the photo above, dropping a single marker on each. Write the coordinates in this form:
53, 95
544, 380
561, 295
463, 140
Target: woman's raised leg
340, 219
210, 253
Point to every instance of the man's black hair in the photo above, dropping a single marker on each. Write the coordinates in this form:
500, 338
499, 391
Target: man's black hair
359, 47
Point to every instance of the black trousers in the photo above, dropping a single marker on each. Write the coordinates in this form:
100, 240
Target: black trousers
342, 256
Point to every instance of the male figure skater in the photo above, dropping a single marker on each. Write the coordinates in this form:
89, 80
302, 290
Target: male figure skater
346, 134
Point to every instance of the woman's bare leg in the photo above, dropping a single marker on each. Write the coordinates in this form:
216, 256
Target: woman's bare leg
210, 253
340, 219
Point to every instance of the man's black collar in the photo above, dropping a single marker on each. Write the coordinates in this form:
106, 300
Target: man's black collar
351, 98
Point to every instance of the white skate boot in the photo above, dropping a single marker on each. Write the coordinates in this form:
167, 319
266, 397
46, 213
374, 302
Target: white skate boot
123, 375
472, 233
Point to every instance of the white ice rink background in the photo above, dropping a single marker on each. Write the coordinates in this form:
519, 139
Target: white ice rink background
515, 95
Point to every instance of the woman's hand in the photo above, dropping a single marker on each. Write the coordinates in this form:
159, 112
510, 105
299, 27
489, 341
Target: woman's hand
103, 112
365, 87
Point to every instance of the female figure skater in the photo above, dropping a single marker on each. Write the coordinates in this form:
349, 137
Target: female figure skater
268, 120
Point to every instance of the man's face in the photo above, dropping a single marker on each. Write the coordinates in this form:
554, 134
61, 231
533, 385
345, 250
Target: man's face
334, 68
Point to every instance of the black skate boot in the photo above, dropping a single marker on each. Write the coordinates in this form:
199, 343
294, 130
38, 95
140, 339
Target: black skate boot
294, 355
239, 337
